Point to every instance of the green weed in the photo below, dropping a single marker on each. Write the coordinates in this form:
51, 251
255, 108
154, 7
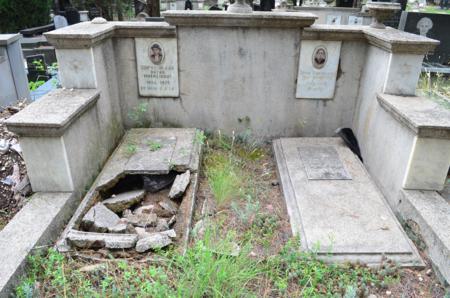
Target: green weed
154, 145
138, 115
131, 149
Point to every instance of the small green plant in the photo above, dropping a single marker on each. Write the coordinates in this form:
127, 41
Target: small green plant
137, 114
34, 85
39, 65
248, 212
154, 145
200, 137
131, 149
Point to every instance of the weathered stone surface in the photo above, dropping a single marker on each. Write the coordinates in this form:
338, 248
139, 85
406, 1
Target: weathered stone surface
169, 205
141, 220
178, 151
349, 218
124, 200
152, 208
53, 113
153, 241
179, 185
100, 219
120, 227
98, 240
162, 225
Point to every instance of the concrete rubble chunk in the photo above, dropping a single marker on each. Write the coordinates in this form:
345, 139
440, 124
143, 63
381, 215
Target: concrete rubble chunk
179, 185
143, 233
100, 219
158, 210
98, 240
153, 241
162, 225
124, 200
142, 220
120, 227
169, 205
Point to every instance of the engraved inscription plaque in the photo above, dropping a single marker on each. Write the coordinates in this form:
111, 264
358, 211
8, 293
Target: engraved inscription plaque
157, 67
317, 71
323, 163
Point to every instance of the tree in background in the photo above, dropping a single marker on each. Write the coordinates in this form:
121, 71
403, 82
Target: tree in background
16, 15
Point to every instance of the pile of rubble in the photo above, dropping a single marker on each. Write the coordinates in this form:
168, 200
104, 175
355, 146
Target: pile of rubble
14, 183
142, 219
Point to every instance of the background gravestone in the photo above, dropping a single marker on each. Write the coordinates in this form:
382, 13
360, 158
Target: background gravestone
431, 25
13, 79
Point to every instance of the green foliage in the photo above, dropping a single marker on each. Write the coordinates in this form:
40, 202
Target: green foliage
34, 85
138, 115
224, 176
17, 15
154, 146
131, 149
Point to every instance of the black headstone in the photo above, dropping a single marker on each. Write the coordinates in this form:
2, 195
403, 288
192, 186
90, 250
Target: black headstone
431, 25
37, 68
72, 15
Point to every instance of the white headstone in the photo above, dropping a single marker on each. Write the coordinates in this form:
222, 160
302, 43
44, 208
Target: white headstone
157, 67
333, 20
60, 22
317, 69
354, 20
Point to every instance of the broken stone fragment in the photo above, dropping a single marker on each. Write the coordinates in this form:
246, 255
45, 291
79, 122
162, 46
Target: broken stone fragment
169, 206
179, 185
100, 219
162, 225
142, 220
98, 240
143, 233
120, 227
124, 200
172, 220
158, 210
153, 241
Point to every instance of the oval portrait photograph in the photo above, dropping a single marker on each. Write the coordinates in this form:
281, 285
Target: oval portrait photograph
319, 57
156, 53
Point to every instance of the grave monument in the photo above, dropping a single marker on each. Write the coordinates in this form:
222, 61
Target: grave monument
292, 80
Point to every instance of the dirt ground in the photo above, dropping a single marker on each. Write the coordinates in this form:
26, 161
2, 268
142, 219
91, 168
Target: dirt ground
12, 170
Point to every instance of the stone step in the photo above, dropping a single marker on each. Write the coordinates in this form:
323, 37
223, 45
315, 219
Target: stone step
335, 207
431, 212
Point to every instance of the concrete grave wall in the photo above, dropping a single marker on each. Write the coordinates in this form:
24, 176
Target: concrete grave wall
243, 78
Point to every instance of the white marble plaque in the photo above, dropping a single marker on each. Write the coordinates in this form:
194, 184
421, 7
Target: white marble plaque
333, 20
317, 69
354, 20
157, 67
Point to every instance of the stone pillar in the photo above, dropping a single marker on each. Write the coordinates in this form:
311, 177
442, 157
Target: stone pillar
13, 82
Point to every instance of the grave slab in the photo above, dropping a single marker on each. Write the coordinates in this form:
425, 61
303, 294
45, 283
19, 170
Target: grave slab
341, 219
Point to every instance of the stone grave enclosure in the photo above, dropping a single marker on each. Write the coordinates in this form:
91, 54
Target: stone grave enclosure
276, 74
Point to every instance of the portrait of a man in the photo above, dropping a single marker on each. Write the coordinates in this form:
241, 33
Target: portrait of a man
156, 53
319, 57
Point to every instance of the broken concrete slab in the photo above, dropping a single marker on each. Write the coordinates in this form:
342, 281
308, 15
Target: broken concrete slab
124, 200
186, 156
162, 225
344, 220
100, 219
98, 240
179, 185
153, 241
25, 233
141, 220
169, 206
181, 153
